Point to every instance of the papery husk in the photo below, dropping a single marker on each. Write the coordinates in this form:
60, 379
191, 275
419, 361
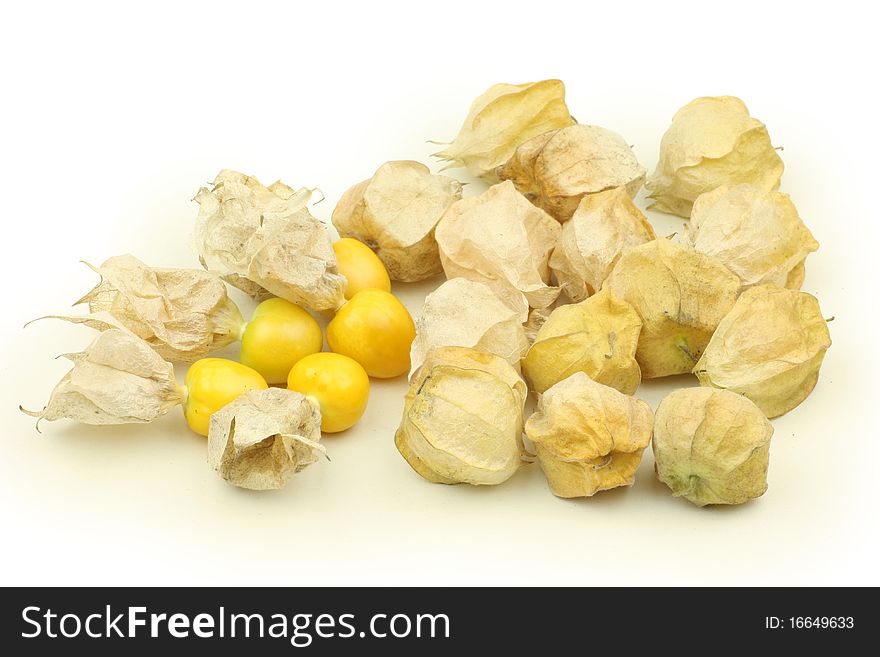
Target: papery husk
118, 379
263, 438
604, 226
559, 168
597, 337
769, 347
712, 142
757, 234
681, 296
395, 213
588, 437
500, 239
711, 446
501, 119
463, 418
537, 318
464, 313
265, 240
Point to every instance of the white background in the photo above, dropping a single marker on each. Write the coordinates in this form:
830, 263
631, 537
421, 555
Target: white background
113, 116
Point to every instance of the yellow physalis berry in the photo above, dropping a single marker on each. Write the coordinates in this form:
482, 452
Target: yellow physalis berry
211, 383
360, 266
337, 384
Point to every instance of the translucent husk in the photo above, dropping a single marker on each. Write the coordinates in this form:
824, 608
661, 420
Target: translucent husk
769, 348
118, 379
264, 241
711, 446
681, 296
604, 226
588, 437
463, 418
597, 337
263, 438
500, 239
184, 314
712, 142
464, 313
557, 169
501, 119
757, 234
395, 213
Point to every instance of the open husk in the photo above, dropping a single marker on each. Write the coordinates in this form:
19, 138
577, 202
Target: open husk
395, 213
597, 337
265, 241
501, 119
757, 234
500, 239
711, 446
769, 348
588, 437
557, 169
464, 313
263, 438
681, 296
463, 418
604, 226
712, 142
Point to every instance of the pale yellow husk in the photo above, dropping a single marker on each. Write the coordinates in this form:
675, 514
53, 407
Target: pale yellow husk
588, 437
500, 239
263, 438
712, 142
769, 348
501, 119
711, 446
395, 213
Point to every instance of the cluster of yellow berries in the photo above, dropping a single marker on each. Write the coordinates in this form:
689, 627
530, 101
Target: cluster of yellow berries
370, 335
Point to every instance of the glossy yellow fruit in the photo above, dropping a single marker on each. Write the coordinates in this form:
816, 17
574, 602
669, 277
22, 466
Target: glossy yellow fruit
360, 266
375, 329
211, 383
278, 335
337, 384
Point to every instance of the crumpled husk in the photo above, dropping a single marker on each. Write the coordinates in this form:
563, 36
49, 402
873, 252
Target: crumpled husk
118, 379
500, 239
264, 241
597, 337
559, 168
604, 226
681, 296
757, 234
395, 213
463, 418
464, 313
501, 119
712, 142
263, 438
537, 318
588, 437
769, 347
711, 446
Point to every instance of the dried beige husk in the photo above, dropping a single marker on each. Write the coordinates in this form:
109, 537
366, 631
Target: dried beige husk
501, 119
263, 438
500, 239
265, 240
588, 437
464, 313
711, 446
559, 168
604, 226
681, 296
118, 379
597, 337
537, 318
769, 348
463, 418
395, 213
757, 234
712, 142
